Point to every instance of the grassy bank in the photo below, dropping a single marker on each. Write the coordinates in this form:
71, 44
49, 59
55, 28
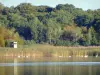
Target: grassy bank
50, 51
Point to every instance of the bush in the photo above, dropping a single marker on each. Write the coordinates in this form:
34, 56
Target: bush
7, 43
63, 43
29, 42
2, 41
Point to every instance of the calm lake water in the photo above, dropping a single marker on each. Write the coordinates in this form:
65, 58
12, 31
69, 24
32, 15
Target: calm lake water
50, 66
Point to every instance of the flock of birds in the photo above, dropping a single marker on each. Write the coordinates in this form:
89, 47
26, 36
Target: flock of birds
85, 56
23, 56
61, 56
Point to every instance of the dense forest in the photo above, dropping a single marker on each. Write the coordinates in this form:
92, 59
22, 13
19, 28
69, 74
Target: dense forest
64, 25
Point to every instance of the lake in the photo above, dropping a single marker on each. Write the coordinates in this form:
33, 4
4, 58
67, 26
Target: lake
50, 66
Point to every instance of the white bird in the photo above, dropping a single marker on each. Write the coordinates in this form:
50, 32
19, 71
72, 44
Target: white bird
27, 56
96, 55
60, 56
86, 56
70, 56
19, 56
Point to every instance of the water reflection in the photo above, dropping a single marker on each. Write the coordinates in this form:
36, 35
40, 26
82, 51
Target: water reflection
52, 64
50, 67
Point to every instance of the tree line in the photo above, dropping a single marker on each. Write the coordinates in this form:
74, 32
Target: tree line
64, 25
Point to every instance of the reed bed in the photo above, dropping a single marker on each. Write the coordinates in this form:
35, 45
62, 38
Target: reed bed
49, 51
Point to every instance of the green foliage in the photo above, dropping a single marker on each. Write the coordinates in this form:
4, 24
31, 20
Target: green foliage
9, 35
68, 7
63, 25
84, 20
2, 41
8, 42
62, 42
29, 42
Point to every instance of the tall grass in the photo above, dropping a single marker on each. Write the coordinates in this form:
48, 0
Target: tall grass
50, 51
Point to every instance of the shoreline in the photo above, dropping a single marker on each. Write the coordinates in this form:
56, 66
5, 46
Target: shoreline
50, 51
